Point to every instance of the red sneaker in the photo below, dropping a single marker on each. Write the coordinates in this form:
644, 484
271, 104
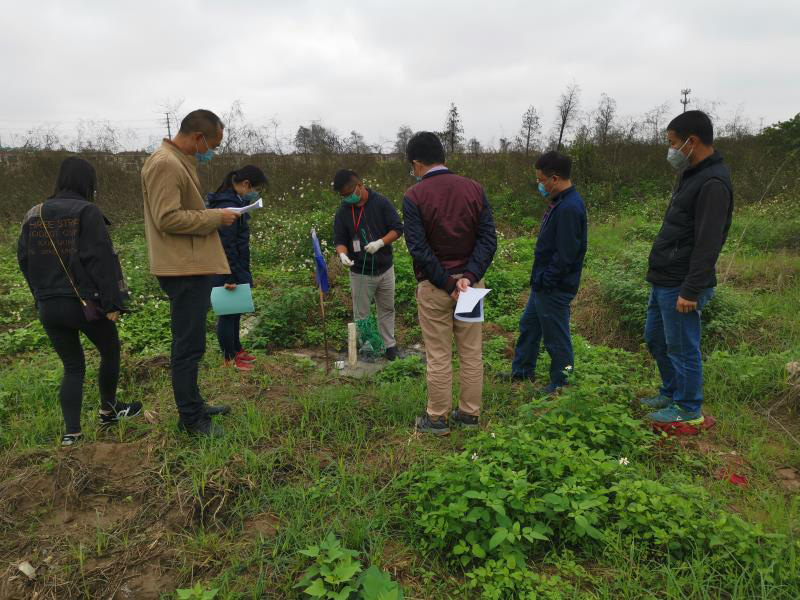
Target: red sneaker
238, 365
245, 357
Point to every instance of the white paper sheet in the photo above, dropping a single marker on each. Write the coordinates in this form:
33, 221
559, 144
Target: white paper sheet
246, 209
465, 319
467, 300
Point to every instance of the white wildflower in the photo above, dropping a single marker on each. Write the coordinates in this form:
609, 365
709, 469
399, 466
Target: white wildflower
493, 435
624, 461
474, 456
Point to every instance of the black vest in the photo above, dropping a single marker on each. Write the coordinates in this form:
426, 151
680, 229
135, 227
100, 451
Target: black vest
670, 256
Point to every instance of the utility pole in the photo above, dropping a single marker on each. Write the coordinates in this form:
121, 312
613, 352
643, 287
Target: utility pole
169, 128
685, 101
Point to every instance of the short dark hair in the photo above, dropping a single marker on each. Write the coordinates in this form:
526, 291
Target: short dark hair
555, 163
78, 176
693, 122
425, 147
202, 120
342, 178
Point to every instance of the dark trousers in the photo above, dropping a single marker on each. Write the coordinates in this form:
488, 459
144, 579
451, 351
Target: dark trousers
673, 339
189, 301
63, 320
228, 335
545, 317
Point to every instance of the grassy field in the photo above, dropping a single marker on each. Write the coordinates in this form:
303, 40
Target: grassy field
572, 498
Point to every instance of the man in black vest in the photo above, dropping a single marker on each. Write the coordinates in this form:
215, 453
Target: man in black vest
682, 266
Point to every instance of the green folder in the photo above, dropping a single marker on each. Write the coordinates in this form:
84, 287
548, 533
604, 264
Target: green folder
232, 302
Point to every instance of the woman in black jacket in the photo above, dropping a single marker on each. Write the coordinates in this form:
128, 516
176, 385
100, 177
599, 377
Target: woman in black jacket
75, 277
238, 189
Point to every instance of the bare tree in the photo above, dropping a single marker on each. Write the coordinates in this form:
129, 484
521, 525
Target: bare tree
654, 121
404, 134
738, 126
474, 147
529, 131
302, 141
503, 145
604, 118
567, 108
98, 136
42, 137
453, 134
355, 144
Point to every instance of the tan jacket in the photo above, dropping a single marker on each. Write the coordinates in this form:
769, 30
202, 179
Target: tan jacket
181, 232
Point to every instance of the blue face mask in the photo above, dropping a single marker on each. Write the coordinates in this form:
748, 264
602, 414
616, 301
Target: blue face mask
543, 191
204, 157
250, 197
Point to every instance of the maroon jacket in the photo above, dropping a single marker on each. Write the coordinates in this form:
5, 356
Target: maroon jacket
449, 229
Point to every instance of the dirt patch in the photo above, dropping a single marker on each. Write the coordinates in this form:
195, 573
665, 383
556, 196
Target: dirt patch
595, 319
264, 526
139, 370
788, 478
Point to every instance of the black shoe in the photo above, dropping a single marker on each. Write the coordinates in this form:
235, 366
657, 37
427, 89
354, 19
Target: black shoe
204, 427
222, 409
459, 419
512, 377
121, 410
392, 353
434, 425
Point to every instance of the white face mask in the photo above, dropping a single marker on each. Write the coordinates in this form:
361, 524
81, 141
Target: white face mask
678, 159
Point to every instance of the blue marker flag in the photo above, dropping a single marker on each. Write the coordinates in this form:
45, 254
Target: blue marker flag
321, 267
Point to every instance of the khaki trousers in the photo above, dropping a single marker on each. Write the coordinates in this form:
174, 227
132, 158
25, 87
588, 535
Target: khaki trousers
365, 289
435, 309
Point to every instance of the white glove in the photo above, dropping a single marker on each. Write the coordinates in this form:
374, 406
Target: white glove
345, 260
373, 247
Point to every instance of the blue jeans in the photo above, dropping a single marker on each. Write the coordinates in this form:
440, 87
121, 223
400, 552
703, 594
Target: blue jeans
545, 316
673, 339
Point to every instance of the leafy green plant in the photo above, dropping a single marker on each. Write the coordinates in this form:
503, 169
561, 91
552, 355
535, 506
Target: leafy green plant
333, 571
409, 367
196, 593
374, 584
508, 580
333, 575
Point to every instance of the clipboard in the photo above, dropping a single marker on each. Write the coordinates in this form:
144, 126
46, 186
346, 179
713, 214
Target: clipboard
232, 302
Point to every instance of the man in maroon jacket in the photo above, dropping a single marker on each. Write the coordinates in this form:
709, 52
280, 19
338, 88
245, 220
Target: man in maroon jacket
451, 236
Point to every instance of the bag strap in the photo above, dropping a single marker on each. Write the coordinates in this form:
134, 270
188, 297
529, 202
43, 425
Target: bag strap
63, 266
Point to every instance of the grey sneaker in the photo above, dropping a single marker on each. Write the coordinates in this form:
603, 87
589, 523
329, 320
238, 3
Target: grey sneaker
459, 419
656, 402
434, 425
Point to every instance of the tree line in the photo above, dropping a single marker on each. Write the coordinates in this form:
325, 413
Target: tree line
600, 125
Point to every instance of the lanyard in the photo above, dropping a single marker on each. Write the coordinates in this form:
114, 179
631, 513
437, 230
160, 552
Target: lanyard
356, 224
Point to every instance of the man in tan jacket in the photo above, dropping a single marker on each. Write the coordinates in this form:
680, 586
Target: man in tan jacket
185, 252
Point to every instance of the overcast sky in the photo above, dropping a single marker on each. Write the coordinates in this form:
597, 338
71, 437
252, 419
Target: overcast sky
372, 66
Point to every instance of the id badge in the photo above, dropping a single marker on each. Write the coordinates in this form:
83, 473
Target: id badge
356, 246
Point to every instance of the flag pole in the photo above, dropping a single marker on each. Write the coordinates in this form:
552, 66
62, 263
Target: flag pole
324, 331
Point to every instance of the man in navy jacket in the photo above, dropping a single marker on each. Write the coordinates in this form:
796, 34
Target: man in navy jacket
556, 275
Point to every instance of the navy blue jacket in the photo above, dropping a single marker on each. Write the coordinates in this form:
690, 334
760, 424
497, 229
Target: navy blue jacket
561, 245
235, 239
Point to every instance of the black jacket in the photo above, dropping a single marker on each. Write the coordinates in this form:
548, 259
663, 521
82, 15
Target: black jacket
378, 218
78, 229
695, 228
561, 244
235, 238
